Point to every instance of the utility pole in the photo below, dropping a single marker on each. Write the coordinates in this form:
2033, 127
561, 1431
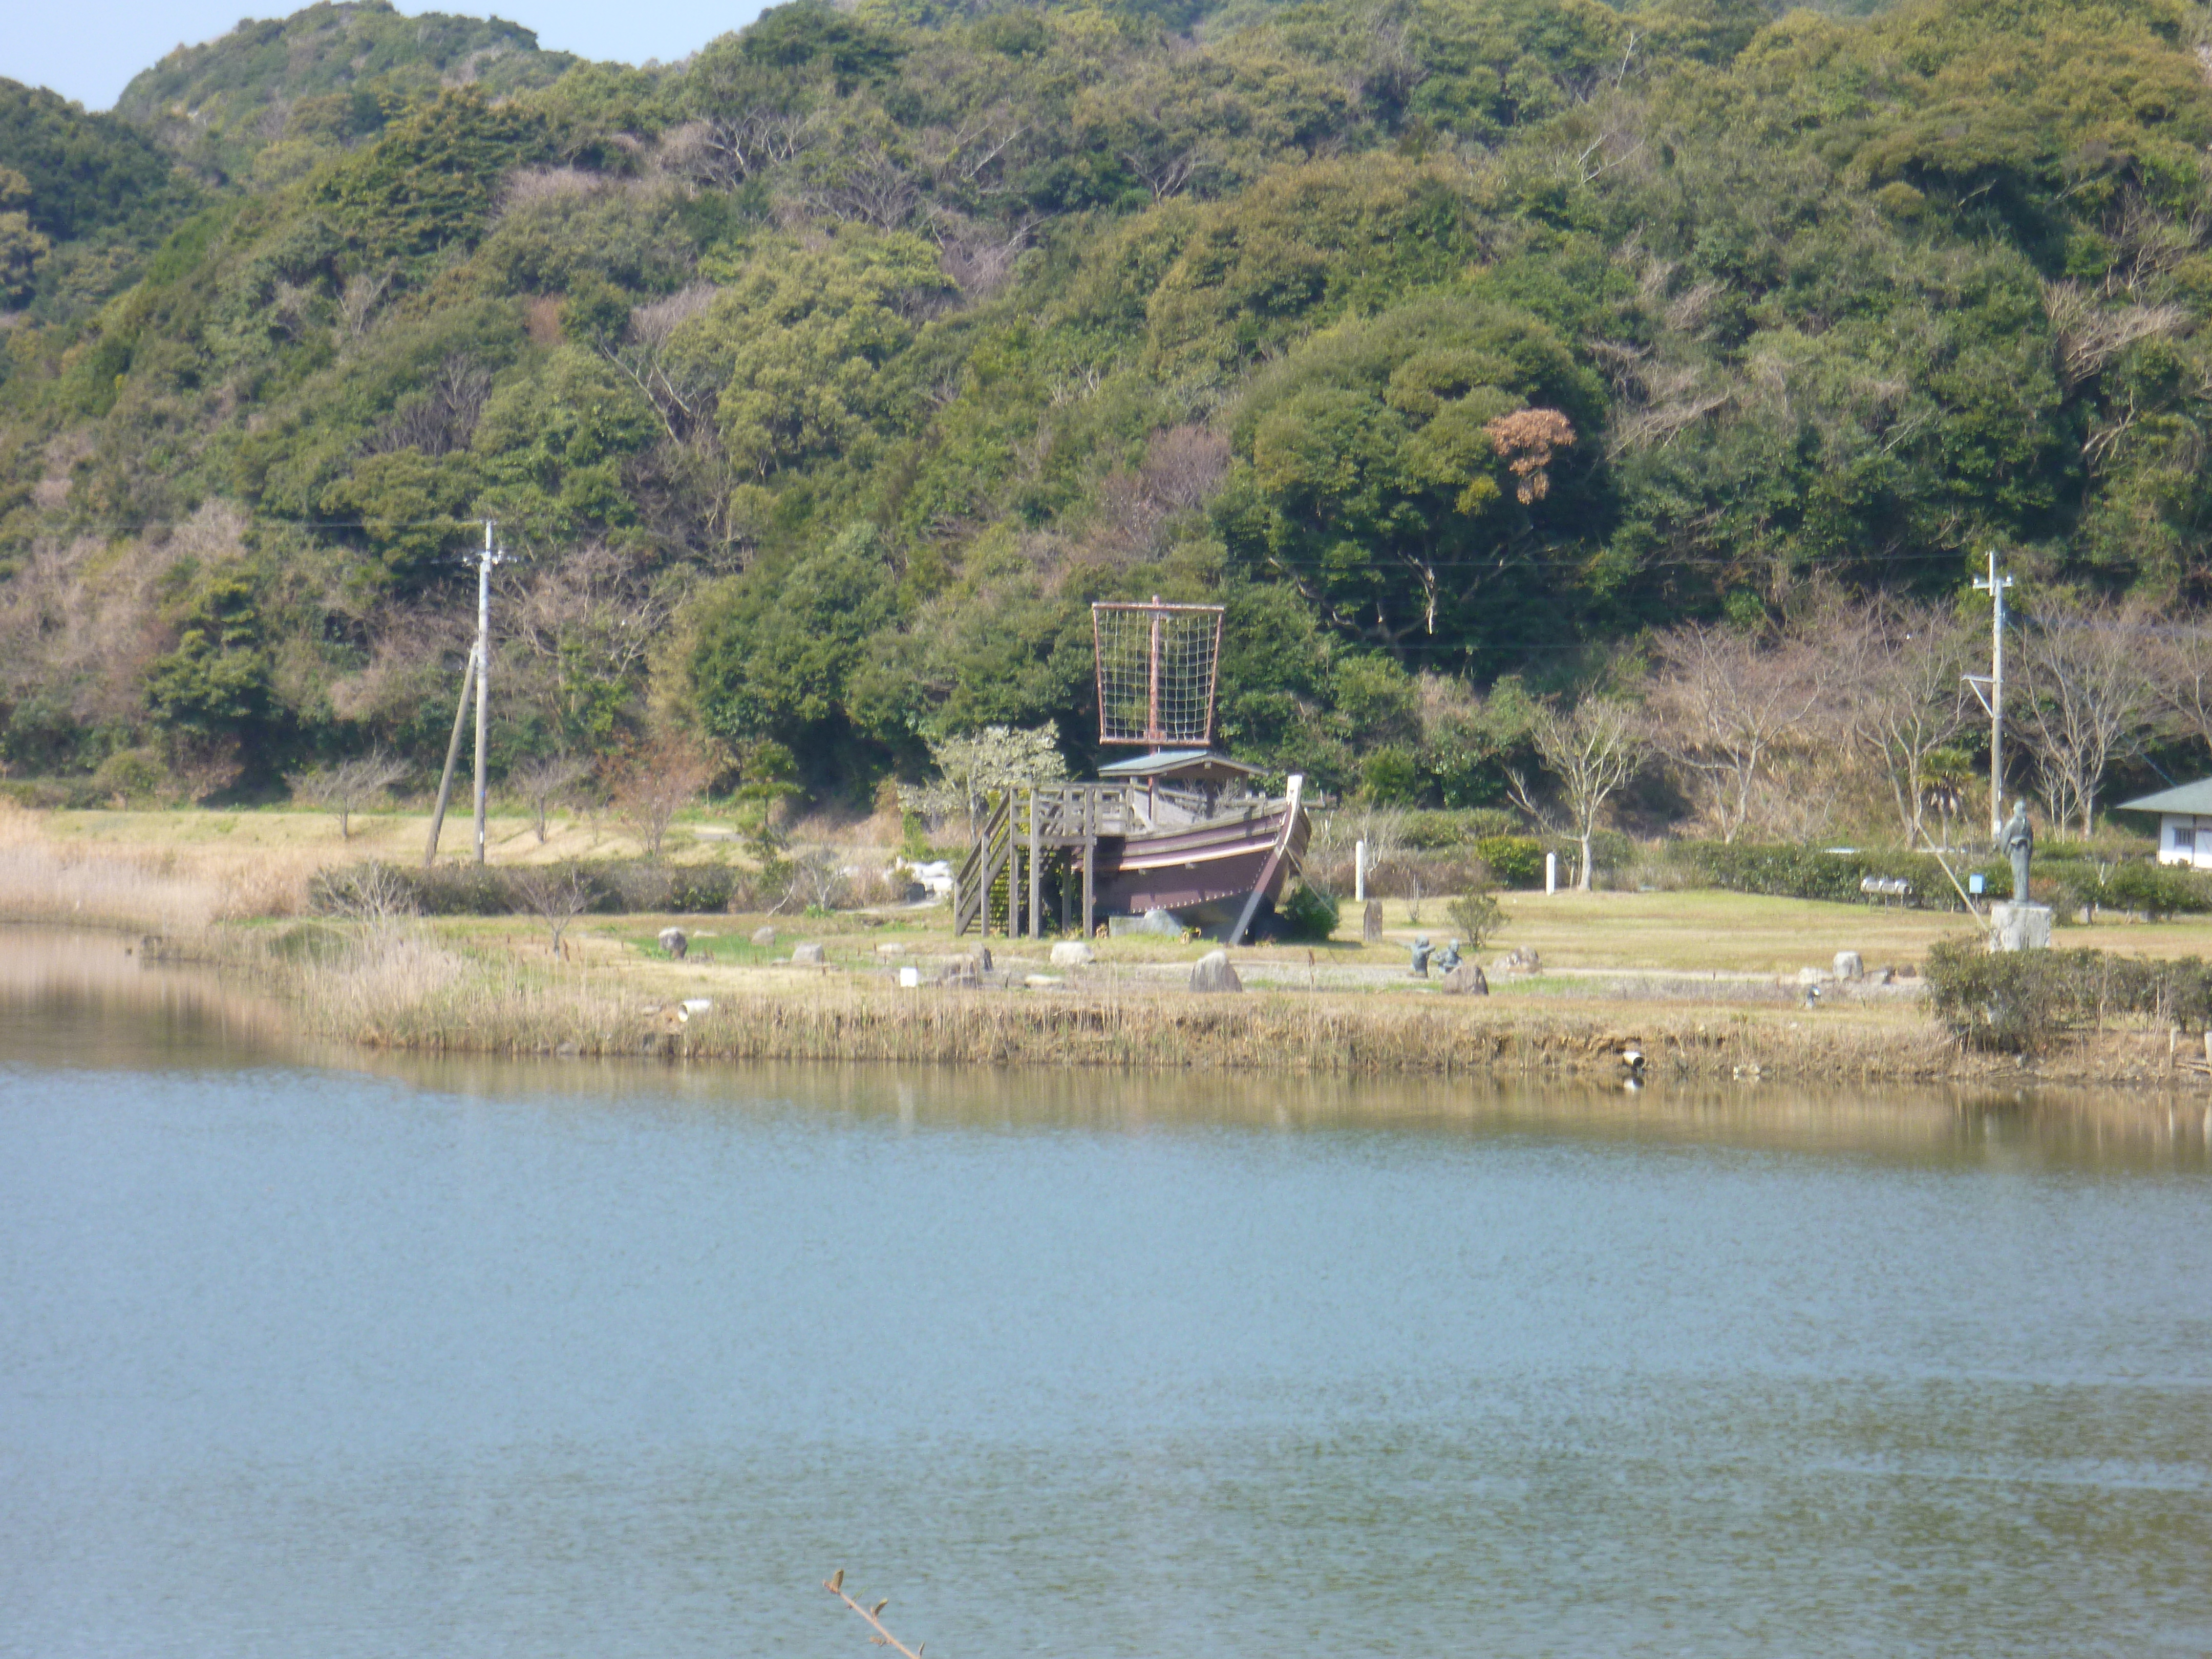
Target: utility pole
490, 557
1990, 690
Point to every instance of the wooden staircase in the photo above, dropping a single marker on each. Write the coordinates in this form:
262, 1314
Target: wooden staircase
982, 888
991, 892
980, 895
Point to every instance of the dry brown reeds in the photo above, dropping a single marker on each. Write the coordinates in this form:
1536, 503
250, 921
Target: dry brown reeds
479, 1011
160, 890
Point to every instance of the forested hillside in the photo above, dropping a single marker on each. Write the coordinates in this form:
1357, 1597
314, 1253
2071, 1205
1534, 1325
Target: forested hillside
822, 381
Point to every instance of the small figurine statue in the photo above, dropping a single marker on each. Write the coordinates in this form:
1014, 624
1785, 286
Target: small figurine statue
1448, 958
2017, 843
1421, 952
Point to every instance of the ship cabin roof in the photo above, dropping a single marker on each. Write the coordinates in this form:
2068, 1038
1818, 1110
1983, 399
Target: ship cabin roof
1198, 766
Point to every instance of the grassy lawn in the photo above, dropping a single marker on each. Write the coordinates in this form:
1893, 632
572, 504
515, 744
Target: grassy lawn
1678, 931
1740, 932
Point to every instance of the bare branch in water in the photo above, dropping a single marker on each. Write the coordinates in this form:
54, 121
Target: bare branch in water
835, 1585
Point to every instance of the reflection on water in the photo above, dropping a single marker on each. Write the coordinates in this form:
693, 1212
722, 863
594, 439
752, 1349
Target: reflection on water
314, 1354
76, 998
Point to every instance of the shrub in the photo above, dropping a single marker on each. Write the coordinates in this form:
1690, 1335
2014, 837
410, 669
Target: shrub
1309, 913
1514, 861
1434, 832
1476, 917
130, 776
2017, 1000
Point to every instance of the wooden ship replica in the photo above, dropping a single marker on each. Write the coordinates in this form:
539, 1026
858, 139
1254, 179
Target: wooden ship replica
1180, 828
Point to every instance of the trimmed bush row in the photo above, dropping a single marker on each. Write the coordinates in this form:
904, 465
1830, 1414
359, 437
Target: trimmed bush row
2070, 883
2017, 1000
2155, 889
1806, 872
619, 887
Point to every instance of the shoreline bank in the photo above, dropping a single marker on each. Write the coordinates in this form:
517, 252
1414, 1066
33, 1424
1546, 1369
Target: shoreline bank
409, 993
1699, 985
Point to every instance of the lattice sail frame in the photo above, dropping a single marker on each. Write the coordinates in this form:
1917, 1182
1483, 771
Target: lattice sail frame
1158, 667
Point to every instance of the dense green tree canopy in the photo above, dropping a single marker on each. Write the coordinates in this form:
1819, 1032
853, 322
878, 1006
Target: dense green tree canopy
822, 381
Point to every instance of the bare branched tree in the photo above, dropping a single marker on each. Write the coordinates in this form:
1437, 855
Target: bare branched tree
1910, 701
586, 622
542, 783
557, 895
442, 417
657, 785
819, 879
1592, 752
678, 386
1337, 836
727, 150
1728, 704
2181, 665
372, 896
349, 787
2088, 685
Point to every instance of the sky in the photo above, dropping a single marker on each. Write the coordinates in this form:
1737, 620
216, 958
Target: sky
88, 50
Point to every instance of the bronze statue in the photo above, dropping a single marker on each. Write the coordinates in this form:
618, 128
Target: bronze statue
2016, 840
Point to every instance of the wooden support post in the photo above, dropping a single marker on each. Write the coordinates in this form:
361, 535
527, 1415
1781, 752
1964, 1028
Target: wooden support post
1037, 859
1067, 882
990, 878
1013, 871
1089, 895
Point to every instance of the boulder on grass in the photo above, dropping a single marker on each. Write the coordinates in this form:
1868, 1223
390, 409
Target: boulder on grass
1466, 980
809, 955
1213, 973
965, 972
764, 935
1163, 924
673, 942
1849, 965
1073, 953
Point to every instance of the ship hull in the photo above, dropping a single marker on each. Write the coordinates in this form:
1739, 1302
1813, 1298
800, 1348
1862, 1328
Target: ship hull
1206, 872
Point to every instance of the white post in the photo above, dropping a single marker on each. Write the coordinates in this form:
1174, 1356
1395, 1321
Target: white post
1551, 872
484, 677
1359, 872
1994, 587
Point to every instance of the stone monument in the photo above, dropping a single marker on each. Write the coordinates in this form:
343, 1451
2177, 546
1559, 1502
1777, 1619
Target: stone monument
2021, 925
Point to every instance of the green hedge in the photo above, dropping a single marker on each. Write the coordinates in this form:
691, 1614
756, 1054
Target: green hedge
2138, 885
1787, 871
619, 887
2015, 1000
2068, 880
1435, 831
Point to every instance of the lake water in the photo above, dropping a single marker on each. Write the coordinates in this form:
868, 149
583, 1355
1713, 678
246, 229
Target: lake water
301, 1355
